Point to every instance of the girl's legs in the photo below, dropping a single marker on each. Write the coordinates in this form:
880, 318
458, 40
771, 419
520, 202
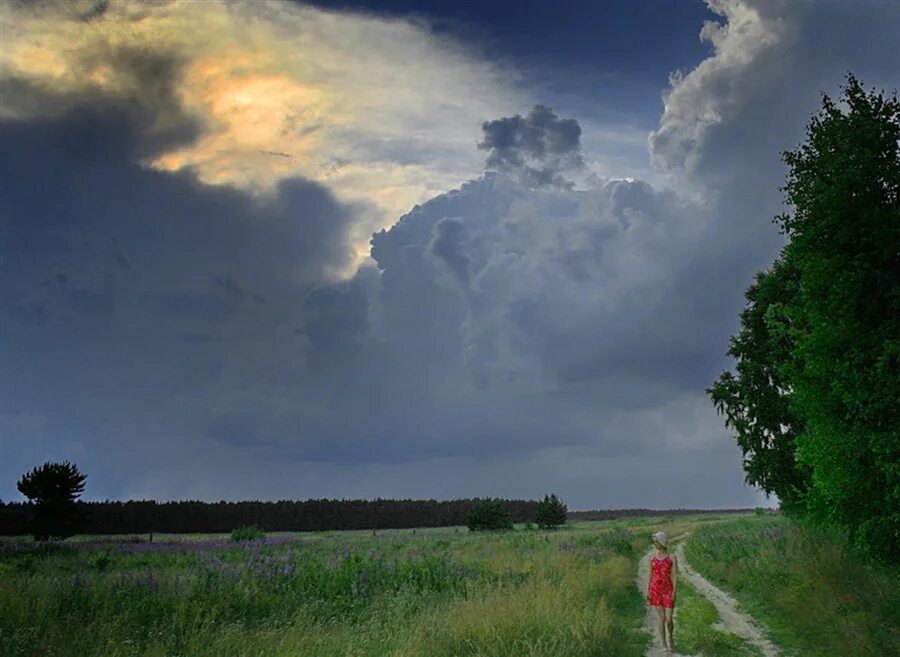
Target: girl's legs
662, 626
670, 623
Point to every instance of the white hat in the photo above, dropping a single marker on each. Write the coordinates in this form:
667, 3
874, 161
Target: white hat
660, 537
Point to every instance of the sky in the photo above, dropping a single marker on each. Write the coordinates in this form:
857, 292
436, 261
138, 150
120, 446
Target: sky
428, 250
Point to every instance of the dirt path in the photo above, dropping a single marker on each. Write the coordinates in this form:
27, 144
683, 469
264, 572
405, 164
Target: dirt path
732, 619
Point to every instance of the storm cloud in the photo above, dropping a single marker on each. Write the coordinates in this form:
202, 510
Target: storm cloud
204, 327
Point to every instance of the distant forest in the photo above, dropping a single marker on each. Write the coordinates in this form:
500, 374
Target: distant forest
145, 516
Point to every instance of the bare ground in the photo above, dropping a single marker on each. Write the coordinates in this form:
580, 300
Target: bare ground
732, 619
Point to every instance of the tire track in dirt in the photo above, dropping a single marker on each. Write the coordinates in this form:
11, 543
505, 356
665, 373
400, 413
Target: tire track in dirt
731, 618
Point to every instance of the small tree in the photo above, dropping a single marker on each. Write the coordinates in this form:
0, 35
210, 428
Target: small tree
551, 512
53, 488
489, 514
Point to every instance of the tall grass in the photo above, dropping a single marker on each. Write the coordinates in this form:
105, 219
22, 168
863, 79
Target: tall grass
816, 596
531, 593
571, 612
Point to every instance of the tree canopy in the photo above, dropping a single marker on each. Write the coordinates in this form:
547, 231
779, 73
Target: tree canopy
816, 399
53, 487
552, 512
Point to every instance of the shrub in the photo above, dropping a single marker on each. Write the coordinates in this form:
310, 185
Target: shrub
489, 514
247, 533
100, 561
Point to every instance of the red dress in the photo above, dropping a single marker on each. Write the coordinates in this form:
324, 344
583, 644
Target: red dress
660, 588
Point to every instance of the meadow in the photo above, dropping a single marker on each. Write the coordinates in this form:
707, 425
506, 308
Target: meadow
438, 591
400, 593
816, 596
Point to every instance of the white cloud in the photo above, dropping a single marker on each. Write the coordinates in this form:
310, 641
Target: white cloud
726, 121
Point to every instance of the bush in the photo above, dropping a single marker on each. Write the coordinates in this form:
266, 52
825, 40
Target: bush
551, 512
247, 533
489, 514
100, 561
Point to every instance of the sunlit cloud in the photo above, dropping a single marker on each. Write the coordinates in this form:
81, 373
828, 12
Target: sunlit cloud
362, 104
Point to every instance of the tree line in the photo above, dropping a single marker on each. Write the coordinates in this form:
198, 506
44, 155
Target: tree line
54, 511
193, 516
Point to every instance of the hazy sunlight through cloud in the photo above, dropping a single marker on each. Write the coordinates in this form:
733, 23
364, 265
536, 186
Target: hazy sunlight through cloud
367, 106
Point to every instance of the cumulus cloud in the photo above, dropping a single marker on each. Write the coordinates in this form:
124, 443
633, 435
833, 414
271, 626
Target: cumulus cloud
536, 149
726, 121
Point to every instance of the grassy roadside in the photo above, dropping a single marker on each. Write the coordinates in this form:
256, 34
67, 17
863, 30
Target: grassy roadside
694, 633
817, 598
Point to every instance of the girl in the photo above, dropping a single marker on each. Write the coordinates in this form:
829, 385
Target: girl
662, 586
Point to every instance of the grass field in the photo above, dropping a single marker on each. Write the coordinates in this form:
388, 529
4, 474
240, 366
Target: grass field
439, 592
817, 598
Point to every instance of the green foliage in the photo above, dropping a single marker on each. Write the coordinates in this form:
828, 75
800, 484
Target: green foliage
529, 526
53, 488
756, 401
551, 512
489, 514
804, 582
330, 595
816, 403
844, 184
100, 561
250, 533
617, 541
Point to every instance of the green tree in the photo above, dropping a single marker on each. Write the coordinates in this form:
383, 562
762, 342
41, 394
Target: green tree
489, 514
551, 512
53, 488
816, 400
843, 184
756, 401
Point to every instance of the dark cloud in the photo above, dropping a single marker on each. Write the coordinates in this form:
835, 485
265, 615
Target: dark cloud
449, 245
335, 321
206, 307
536, 149
138, 95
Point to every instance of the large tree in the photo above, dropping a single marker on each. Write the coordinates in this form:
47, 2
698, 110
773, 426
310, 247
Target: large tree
53, 488
840, 322
844, 184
